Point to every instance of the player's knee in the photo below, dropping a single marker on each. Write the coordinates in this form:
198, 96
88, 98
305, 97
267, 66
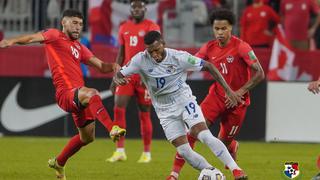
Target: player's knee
88, 140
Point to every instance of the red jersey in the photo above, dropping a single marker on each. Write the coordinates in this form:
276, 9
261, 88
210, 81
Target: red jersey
131, 36
64, 56
297, 17
255, 21
233, 61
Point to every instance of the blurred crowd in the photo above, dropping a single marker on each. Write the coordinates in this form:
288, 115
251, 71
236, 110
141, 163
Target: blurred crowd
258, 19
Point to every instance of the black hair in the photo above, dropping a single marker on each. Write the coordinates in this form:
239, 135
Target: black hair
151, 37
144, 1
72, 13
222, 14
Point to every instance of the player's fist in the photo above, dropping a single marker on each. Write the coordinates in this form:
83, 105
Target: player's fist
6, 43
314, 87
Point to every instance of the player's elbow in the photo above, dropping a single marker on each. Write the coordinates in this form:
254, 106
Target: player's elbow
261, 75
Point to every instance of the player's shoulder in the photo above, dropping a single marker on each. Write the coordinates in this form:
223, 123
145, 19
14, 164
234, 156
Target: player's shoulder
51, 30
175, 52
148, 21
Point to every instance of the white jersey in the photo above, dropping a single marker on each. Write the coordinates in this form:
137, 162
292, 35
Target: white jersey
165, 78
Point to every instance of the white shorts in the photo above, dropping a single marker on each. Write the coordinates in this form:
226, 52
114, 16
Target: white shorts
177, 117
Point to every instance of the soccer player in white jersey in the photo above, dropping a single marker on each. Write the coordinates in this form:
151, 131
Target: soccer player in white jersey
164, 72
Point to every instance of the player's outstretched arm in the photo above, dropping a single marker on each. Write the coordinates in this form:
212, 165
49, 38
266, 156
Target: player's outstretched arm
22, 40
232, 98
256, 79
102, 66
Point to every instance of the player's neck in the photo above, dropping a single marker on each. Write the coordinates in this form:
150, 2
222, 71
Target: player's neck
224, 44
137, 21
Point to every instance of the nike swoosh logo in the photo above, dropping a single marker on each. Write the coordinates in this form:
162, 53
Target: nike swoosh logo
17, 119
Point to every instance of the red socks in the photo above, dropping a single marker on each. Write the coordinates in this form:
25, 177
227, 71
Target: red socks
179, 161
98, 110
70, 149
119, 119
146, 129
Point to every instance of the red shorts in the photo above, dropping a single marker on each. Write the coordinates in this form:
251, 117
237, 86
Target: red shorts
213, 106
68, 101
135, 87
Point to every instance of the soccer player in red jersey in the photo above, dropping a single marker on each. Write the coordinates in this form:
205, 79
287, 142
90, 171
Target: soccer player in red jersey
235, 60
130, 37
64, 54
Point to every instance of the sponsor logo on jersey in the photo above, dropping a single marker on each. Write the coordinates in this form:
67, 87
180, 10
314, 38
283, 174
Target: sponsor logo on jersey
141, 33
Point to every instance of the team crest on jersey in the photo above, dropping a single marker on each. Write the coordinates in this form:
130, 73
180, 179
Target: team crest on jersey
171, 69
230, 59
141, 33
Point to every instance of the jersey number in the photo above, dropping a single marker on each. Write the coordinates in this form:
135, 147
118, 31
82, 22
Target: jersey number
160, 82
133, 40
191, 108
224, 68
74, 52
233, 130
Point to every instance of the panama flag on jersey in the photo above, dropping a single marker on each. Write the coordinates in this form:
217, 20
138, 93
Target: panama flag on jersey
281, 66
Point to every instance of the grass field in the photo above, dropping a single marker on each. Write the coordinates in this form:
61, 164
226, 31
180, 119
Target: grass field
25, 158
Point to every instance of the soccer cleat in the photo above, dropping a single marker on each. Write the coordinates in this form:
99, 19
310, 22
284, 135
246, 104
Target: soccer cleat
52, 163
144, 158
317, 177
117, 156
171, 177
117, 132
239, 174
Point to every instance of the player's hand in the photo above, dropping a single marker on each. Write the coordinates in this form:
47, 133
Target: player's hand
6, 43
120, 81
116, 67
232, 99
112, 87
314, 87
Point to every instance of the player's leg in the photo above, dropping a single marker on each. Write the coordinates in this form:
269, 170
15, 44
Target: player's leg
175, 132
210, 107
90, 98
230, 126
144, 105
122, 97
83, 119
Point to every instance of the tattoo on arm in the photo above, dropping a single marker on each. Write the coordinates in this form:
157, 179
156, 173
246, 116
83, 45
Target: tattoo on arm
256, 78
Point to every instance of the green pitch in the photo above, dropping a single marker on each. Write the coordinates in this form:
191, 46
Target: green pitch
26, 158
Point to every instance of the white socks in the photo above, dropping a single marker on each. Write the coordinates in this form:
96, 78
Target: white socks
218, 148
193, 158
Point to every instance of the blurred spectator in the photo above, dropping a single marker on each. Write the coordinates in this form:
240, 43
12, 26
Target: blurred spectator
296, 19
257, 22
317, 34
1, 35
84, 68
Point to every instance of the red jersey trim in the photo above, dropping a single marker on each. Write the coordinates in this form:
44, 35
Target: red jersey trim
60, 65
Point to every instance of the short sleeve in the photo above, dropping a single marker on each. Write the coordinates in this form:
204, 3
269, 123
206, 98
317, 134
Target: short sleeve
120, 35
50, 35
202, 53
86, 54
154, 27
247, 53
189, 62
133, 66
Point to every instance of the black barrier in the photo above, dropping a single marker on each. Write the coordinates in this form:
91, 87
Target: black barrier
27, 107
